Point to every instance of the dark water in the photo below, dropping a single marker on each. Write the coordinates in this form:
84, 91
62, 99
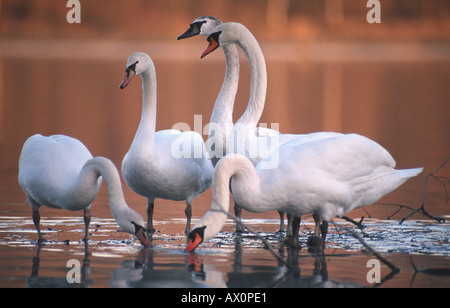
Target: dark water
392, 94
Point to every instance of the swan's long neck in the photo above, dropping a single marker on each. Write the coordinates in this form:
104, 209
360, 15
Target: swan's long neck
145, 135
258, 85
239, 169
100, 166
223, 108
221, 121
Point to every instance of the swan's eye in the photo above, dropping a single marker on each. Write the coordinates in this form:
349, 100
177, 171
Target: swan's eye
132, 67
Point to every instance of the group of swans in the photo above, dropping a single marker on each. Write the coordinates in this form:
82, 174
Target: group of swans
327, 174
59, 171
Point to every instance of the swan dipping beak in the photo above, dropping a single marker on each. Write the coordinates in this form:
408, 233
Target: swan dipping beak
143, 237
195, 238
193, 243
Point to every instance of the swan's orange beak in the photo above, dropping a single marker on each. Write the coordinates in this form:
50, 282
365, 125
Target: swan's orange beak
127, 79
143, 237
194, 242
213, 45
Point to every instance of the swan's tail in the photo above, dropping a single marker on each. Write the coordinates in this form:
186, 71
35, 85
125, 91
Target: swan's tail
409, 173
370, 189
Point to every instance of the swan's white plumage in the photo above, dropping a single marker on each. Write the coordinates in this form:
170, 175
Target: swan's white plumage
48, 169
329, 177
59, 172
158, 164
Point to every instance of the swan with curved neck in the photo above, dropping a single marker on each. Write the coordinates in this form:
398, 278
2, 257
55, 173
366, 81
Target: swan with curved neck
327, 177
59, 172
246, 138
167, 164
221, 122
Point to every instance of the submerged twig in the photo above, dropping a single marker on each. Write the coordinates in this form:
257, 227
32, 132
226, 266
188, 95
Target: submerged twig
422, 207
268, 245
394, 270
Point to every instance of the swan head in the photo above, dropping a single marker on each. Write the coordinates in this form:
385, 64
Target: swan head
137, 63
195, 238
203, 25
222, 35
131, 222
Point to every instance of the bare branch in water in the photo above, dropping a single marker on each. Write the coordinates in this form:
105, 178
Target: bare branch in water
394, 270
421, 209
268, 245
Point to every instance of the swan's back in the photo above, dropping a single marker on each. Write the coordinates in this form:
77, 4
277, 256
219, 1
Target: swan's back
334, 175
48, 165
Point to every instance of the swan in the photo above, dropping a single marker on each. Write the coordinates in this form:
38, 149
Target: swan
327, 177
221, 121
246, 138
59, 172
154, 166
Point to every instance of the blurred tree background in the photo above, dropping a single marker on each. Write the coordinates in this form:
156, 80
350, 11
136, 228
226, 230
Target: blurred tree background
271, 19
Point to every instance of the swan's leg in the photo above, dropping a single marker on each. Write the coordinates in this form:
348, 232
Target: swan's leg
281, 221
289, 226
36, 221
87, 221
314, 241
188, 212
36, 218
317, 224
324, 231
295, 231
238, 214
150, 208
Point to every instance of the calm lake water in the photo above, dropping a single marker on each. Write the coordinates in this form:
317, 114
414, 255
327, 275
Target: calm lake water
395, 94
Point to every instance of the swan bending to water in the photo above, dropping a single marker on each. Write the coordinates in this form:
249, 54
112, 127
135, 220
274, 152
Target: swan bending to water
59, 172
327, 177
153, 166
246, 138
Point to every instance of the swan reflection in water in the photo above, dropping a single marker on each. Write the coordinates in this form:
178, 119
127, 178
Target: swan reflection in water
148, 270
172, 268
36, 281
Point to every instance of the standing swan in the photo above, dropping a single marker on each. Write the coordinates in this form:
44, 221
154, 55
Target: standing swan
246, 138
221, 121
59, 172
255, 143
154, 166
327, 177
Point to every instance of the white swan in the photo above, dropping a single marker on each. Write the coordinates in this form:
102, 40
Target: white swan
59, 172
328, 177
221, 121
246, 138
167, 164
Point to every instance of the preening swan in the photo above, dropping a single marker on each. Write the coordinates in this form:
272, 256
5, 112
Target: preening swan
167, 164
59, 172
327, 177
